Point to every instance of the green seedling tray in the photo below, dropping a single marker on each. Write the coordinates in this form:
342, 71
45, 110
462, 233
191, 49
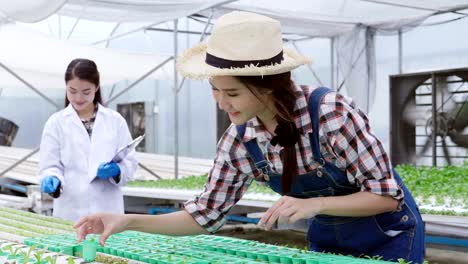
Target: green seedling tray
201, 249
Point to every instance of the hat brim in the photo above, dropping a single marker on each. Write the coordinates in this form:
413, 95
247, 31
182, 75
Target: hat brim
191, 64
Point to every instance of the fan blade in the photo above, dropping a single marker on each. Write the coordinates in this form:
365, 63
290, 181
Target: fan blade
461, 117
415, 115
445, 98
459, 139
426, 145
446, 152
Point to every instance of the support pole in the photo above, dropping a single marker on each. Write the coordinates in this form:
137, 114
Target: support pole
19, 161
112, 33
176, 104
29, 85
332, 63
139, 80
400, 52
434, 119
308, 66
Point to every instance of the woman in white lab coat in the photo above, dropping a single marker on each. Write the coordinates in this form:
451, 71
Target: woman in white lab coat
77, 147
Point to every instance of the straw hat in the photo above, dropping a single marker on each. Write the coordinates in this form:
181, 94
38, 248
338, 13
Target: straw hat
240, 44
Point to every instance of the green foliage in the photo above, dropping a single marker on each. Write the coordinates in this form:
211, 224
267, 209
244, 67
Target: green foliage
71, 260
110, 260
13, 251
425, 183
51, 259
192, 183
443, 212
37, 216
27, 254
17, 216
447, 182
38, 256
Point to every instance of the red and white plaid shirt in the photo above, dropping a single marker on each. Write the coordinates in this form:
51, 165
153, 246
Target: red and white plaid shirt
346, 141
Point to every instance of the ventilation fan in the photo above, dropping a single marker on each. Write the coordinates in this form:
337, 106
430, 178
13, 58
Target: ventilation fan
429, 118
134, 114
8, 131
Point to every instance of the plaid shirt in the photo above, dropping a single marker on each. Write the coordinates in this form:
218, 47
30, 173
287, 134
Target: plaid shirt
346, 141
88, 124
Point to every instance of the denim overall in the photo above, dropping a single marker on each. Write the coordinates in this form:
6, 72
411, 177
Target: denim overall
392, 235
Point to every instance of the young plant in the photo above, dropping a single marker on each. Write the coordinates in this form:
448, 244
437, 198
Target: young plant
50, 259
13, 251
402, 261
38, 256
27, 254
71, 260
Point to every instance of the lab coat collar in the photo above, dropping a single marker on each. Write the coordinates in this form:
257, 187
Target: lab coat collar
69, 110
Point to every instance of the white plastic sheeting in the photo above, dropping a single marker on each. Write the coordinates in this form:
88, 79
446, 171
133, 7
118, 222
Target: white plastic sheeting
323, 18
344, 20
42, 60
320, 18
29, 10
351, 23
155, 11
356, 65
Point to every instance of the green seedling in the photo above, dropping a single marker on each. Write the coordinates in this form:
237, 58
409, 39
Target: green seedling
38, 255
402, 261
13, 251
27, 254
71, 260
50, 259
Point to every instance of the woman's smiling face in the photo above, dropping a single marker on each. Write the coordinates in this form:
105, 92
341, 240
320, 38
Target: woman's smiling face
237, 100
81, 93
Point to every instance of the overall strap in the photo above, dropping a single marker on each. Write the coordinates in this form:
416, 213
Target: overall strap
314, 105
254, 151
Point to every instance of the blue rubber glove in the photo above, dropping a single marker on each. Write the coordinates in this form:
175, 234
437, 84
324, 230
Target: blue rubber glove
50, 184
108, 170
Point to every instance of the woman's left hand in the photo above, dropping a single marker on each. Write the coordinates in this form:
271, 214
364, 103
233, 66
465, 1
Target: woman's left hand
290, 209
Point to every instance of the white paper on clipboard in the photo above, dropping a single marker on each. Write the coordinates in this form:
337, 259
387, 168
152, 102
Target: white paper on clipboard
123, 152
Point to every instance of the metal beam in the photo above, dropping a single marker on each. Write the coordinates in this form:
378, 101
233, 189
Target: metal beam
111, 91
59, 21
112, 33
308, 66
73, 28
353, 65
78, 19
180, 31
400, 51
139, 80
152, 24
149, 171
201, 39
29, 85
206, 25
19, 161
191, 32
438, 11
434, 119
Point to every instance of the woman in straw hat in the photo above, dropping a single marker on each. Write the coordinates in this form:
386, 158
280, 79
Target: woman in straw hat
313, 146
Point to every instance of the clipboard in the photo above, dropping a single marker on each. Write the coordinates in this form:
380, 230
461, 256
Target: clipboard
123, 152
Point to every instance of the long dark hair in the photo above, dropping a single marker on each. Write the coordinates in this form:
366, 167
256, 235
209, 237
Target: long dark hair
83, 69
282, 90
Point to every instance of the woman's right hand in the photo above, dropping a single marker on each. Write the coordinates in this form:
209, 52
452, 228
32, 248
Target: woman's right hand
101, 223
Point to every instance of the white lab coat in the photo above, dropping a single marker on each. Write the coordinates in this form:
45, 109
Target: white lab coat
68, 153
